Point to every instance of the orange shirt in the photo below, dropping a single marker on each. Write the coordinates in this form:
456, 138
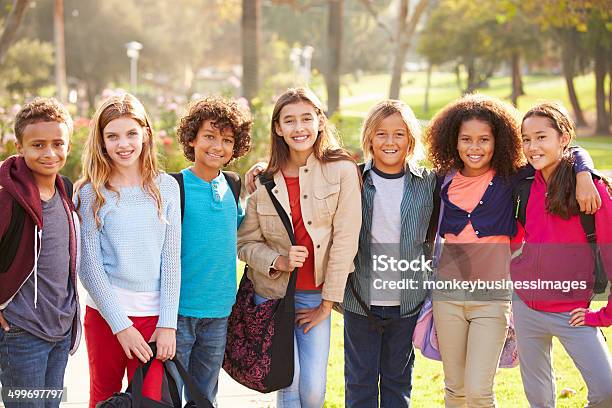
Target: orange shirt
305, 277
466, 193
462, 259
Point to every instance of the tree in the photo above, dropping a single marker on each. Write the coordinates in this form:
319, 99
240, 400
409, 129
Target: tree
28, 67
406, 26
95, 26
251, 38
11, 26
599, 43
567, 21
334, 54
60, 50
470, 45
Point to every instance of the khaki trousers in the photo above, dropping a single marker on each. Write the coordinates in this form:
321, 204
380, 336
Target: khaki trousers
471, 335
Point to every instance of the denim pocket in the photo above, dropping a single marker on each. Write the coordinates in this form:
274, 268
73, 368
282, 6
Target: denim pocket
14, 330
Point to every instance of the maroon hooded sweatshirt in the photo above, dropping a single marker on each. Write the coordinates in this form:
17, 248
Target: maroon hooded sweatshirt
17, 184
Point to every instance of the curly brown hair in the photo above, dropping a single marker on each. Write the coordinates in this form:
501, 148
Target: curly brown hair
41, 110
443, 131
225, 114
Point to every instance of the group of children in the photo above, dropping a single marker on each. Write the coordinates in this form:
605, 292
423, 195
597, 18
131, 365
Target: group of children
157, 252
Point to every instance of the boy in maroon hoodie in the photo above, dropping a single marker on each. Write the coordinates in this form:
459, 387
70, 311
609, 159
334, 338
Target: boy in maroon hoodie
39, 246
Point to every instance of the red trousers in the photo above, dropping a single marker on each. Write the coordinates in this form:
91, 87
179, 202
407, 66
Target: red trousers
108, 362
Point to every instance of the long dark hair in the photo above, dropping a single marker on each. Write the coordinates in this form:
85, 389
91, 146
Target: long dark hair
326, 148
561, 196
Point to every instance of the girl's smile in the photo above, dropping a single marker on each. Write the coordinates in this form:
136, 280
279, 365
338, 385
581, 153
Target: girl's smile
298, 125
475, 145
123, 139
542, 144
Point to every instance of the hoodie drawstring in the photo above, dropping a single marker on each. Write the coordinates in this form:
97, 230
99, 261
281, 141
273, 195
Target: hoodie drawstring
37, 237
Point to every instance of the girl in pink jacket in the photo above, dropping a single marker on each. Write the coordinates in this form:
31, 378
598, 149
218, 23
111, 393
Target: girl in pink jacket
553, 277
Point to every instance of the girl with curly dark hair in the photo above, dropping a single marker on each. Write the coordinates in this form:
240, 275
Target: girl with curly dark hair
475, 142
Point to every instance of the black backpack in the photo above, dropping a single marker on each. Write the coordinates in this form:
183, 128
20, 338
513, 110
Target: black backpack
233, 179
133, 398
9, 243
521, 197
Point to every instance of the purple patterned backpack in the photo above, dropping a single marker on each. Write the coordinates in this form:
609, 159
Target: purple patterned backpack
259, 348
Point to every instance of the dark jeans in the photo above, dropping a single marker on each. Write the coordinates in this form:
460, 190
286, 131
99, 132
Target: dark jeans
372, 358
29, 362
200, 345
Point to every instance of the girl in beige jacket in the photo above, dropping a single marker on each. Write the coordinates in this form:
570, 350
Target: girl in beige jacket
317, 184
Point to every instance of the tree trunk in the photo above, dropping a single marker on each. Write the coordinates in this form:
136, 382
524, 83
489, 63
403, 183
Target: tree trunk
251, 37
568, 52
427, 88
458, 78
400, 51
60, 51
610, 92
516, 77
11, 25
334, 54
405, 31
603, 124
472, 80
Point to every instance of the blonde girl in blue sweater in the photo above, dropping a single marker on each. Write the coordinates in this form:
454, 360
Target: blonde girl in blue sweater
131, 237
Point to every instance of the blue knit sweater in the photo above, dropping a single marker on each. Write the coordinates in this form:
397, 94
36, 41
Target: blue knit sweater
133, 249
208, 250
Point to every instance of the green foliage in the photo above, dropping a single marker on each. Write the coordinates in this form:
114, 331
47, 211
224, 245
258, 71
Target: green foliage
72, 169
28, 67
261, 110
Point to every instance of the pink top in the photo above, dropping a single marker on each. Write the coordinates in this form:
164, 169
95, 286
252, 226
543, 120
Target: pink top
557, 250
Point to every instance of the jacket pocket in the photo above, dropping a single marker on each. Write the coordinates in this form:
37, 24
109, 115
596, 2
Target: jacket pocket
326, 199
269, 221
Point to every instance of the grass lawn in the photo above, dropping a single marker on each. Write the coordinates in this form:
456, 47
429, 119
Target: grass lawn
428, 379
600, 148
359, 96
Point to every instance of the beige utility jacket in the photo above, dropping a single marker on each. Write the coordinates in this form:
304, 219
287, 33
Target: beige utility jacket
330, 199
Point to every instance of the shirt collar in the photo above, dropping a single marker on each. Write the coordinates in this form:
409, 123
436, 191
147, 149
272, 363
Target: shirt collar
414, 170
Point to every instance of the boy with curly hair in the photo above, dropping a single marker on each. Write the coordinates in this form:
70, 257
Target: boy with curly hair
213, 132
39, 246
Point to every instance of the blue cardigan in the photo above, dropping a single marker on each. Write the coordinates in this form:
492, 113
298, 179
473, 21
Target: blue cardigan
493, 214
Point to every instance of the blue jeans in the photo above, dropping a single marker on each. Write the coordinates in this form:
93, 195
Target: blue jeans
372, 358
27, 361
200, 346
310, 359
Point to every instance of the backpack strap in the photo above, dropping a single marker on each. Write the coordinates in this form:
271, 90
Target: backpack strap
588, 225
9, 243
521, 197
233, 179
290, 293
181, 182
361, 167
601, 278
67, 186
432, 229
